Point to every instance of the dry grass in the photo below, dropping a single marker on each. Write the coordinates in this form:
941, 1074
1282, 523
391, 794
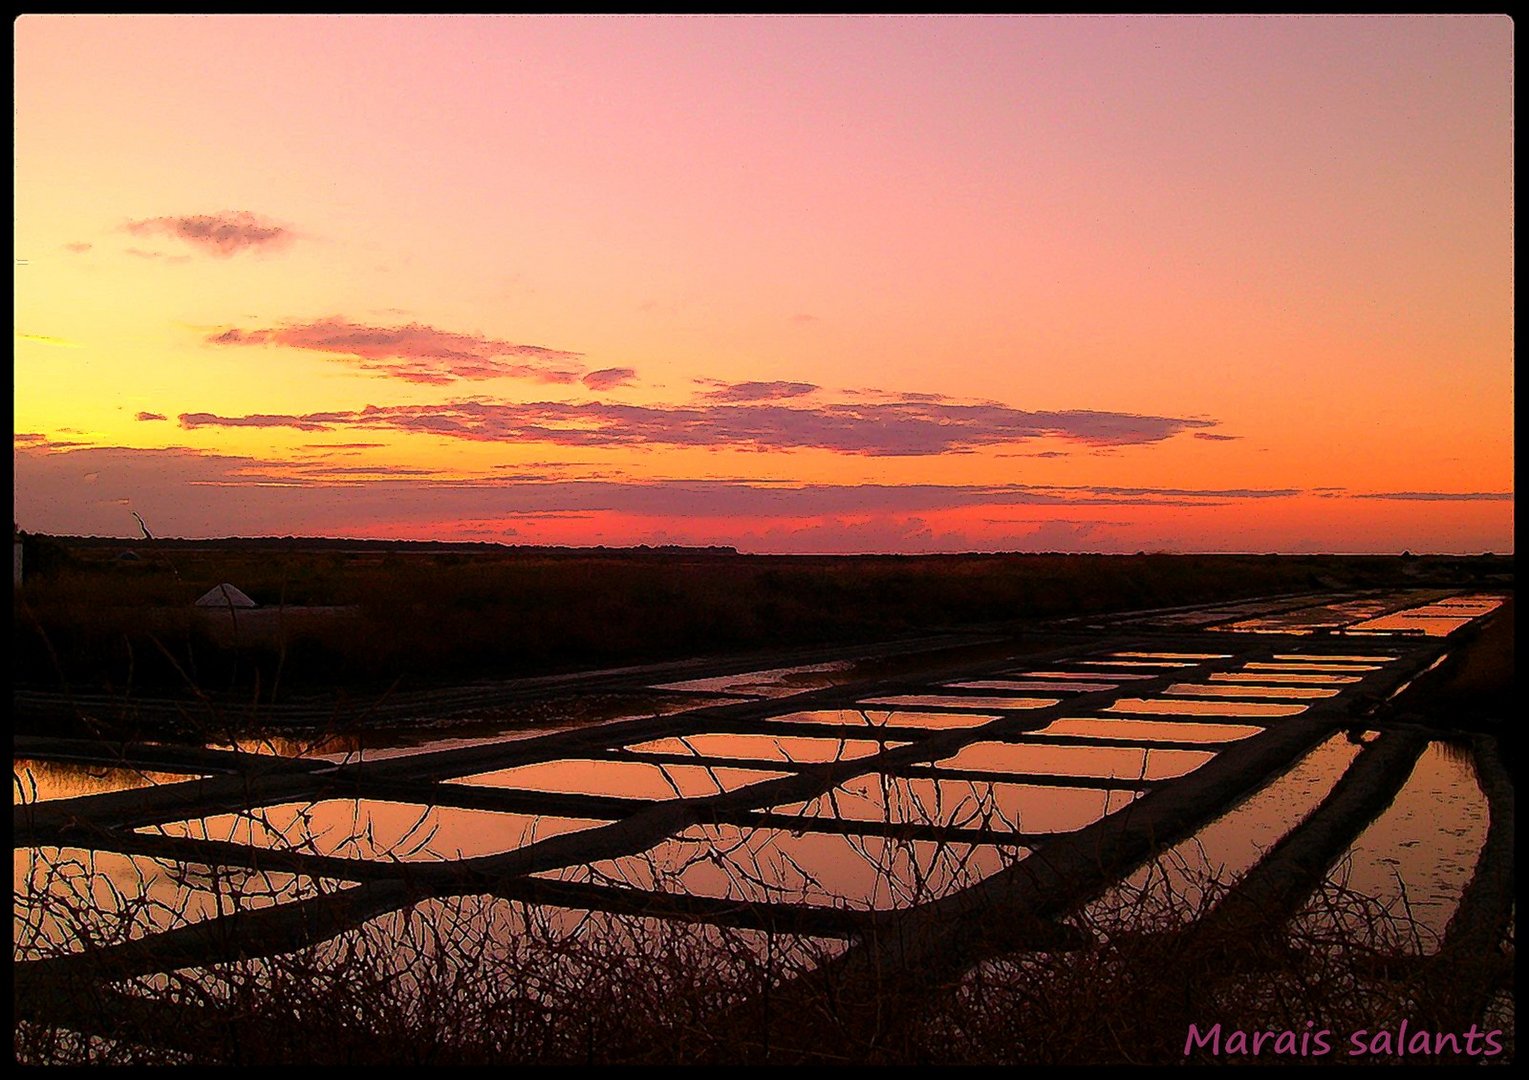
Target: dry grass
486, 980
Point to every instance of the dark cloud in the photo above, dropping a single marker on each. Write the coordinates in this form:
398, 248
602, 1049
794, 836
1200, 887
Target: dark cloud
316, 469
36, 441
414, 353
609, 378
1066, 536
866, 394
755, 391
1435, 496
222, 234
1213, 437
196, 420
341, 446
200, 493
1204, 493
150, 416
875, 429
187, 492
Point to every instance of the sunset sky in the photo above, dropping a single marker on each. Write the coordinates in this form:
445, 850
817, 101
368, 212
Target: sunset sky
787, 284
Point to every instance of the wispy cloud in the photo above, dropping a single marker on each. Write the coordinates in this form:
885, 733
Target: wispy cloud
78, 247
754, 391
45, 339
196, 492
1202, 493
341, 446
223, 234
1213, 437
609, 378
150, 416
37, 442
415, 352
313, 422
876, 429
141, 253
1429, 496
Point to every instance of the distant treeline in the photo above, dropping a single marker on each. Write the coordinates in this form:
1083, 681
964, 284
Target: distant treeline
420, 615
320, 543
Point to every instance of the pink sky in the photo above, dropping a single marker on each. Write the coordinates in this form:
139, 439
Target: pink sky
792, 284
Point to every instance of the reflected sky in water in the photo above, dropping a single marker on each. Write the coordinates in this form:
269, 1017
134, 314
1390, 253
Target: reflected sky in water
794, 748
1149, 730
1050, 685
819, 869
1429, 837
1424, 846
885, 718
962, 701
65, 897
1282, 692
623, 779
1103, 762
1171, 707
372, 829
1002, 806
45, 781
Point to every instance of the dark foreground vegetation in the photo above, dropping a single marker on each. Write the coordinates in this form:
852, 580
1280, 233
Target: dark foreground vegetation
478, 980
109, 615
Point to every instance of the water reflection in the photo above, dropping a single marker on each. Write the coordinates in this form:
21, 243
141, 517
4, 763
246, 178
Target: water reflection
793, 748
1379, 615
553, 950
1282, 677
1102, 762
623, 779
1137, 663
1305, 620
1423, 624
1416, 858
68, 899
371, 829
1313, 666
1174, 655
999, 805
45, 781
1438, 619
1199, 690
1333, 658
1114, 676
1228, 847
987, 818
1149, 730
754, 865
871, 718
961, 701
1203, 708
428, 733
1050, 685
1419, 854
